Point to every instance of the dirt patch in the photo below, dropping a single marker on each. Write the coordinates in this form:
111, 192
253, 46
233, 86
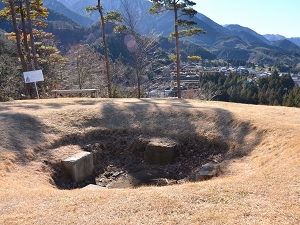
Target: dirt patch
119, 161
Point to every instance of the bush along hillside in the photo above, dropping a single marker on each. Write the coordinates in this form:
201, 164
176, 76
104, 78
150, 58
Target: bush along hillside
11, 81
269, 90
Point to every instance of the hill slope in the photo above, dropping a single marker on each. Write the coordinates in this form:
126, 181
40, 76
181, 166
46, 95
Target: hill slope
287, 45
246, 33
231, 42
261, 162
295, 40
274, 37
62, 9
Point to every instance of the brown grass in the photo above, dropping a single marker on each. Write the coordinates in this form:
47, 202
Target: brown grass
260, 183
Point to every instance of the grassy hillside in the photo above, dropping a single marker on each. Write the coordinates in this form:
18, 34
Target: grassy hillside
258, 147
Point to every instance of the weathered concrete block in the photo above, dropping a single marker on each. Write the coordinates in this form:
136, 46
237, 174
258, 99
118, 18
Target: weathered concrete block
160, 151
80, 165
93, 187
208, 171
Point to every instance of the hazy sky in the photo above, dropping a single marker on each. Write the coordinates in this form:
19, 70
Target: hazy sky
263, 16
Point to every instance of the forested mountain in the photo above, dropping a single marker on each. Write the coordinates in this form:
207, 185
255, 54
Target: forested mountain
231, 41
273, 38
295, 40
212, 23
68, 2
287, 45
246, 33
64, 22
59, 7
79, 37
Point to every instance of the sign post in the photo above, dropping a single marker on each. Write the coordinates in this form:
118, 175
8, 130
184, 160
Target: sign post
33, 77
36, 90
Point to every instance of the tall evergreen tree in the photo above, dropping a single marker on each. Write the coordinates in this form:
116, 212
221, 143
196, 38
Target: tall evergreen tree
10, 12
29, 21
27, 17
111, 16
180, 8
29, 14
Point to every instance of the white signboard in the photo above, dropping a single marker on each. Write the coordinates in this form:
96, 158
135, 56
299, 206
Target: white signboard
33, 76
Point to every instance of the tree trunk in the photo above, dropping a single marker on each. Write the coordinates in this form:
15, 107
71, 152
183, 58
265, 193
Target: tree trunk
19, 47
105, 50
131, 22
28, 55
78, 73
137, 75
177, 52
36, 64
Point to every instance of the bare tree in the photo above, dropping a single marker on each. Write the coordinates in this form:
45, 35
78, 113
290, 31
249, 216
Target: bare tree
208, 91
139, 46
86, 68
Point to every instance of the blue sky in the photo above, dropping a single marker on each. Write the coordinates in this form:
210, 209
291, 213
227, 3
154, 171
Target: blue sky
263, 16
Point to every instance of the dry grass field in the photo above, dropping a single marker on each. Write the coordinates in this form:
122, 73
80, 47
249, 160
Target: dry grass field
258, 146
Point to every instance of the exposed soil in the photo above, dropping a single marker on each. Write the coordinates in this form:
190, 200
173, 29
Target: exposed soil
119, 163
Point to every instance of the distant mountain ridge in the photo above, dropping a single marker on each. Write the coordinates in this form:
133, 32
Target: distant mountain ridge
295, 40
240, 30
59, 6
277, 37
287, 45
274, 37
213, 29
230, 41
67, 2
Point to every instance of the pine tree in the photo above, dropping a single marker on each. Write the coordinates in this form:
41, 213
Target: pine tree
9, 12
180, 8
111, 16
30, 38
30, 13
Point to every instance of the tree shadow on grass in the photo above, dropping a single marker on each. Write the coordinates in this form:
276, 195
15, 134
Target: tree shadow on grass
9, 105
122, 130
21, 131
5, 106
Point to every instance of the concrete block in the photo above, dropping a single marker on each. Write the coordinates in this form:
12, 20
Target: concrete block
79, 166
208, 171
93, 187
160, 151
